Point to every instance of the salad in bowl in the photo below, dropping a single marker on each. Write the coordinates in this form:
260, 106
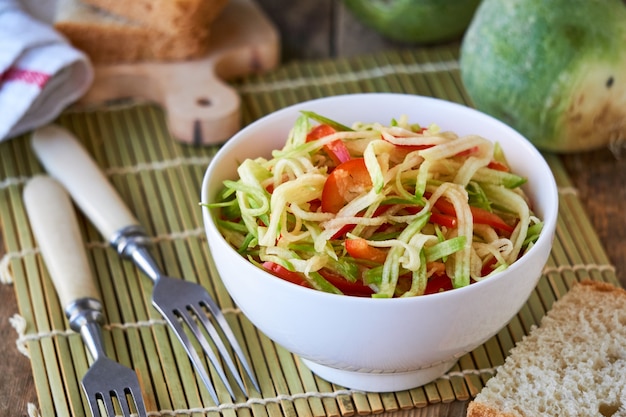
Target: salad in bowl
380, 210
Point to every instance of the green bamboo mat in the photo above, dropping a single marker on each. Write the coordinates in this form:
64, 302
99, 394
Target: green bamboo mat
160, 180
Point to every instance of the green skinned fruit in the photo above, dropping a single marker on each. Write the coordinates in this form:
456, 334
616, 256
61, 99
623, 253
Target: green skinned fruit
555, 70
415, 21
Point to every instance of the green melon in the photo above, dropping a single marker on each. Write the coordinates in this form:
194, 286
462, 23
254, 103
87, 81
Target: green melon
415, 21
555, 70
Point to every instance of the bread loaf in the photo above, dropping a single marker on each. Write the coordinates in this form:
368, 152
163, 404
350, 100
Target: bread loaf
108, 38
573, 364
170, 16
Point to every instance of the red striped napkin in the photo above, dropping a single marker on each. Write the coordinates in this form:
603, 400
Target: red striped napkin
40, 72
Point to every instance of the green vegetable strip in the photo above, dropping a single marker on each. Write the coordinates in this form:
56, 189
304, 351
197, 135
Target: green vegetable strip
324, 120
516, 204
419, 279
298, 134
482, 175
444, 248
495, 177
460, 272
391, 266
422, 179
300, 190
374, 148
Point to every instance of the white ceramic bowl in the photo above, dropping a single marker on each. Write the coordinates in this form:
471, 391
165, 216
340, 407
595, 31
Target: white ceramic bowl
381, 344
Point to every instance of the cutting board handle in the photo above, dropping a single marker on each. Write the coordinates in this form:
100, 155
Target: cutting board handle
200, 107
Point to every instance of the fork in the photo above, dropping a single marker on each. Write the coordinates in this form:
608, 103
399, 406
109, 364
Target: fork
55, 227
183, 304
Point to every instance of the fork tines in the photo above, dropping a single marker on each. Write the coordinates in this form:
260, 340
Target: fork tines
114, 386
193, 317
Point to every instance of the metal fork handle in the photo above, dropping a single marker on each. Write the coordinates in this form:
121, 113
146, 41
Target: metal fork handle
132, 242
85, 317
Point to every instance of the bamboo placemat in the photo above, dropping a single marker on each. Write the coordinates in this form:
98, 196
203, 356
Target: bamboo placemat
160, 180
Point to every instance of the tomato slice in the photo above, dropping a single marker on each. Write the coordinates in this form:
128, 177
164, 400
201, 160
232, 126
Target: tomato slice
336, 150
283, 273
346, 182
358, 248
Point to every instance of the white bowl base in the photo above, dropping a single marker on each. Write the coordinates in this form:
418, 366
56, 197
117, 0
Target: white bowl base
379, 382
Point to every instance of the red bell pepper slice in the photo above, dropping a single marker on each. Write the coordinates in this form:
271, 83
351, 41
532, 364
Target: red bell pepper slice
488, 267
357, 288
480, 215
359, 249
283, 273
345, 286
441, 219
444, 220
345, 182
468, 152
336, 150
498, 166
349, 227
437, 283
413, 147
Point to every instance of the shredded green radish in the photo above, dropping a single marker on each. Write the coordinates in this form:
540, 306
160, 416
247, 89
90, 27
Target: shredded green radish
375, 210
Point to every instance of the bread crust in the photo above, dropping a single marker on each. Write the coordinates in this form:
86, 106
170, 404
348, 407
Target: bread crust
603, 287
475, 409
169, 16
574, 362
115, 44
111, 39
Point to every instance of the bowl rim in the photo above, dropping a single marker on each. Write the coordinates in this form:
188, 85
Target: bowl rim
549, 216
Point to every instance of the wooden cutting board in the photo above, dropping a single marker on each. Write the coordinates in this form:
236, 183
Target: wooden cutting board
201, 107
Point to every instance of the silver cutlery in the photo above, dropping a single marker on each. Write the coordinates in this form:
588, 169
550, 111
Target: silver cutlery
55, 226
183, 304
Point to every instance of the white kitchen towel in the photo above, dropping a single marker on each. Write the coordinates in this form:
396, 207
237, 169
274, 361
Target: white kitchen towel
40, 72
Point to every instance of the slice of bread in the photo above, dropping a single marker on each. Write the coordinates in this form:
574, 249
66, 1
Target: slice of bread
573, 364
169, 16
110, 39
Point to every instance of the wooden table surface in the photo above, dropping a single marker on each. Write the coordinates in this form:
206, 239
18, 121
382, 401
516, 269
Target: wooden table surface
323, 29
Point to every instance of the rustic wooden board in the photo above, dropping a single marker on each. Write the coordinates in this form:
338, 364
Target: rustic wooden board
201, 107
